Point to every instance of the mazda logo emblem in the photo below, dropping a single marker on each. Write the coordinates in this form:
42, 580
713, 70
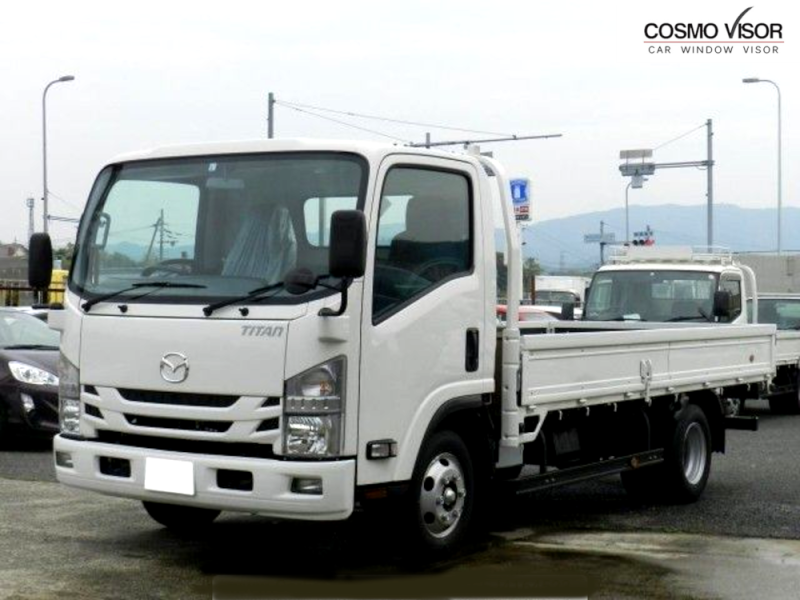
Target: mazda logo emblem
174, 367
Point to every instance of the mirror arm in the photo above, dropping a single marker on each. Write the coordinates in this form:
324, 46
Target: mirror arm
329, 312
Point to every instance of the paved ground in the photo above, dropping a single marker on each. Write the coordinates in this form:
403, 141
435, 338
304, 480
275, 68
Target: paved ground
57, 542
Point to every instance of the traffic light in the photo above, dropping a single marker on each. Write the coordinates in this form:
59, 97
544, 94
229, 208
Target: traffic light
643, 238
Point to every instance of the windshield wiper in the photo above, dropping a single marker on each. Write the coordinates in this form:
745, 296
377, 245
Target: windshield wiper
86, 306
251, 295
29, 347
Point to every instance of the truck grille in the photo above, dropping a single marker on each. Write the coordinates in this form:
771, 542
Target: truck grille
242, 449
178, 399
182, 424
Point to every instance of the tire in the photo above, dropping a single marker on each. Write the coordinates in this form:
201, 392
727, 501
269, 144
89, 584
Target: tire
180, 518
687, 456
441, 507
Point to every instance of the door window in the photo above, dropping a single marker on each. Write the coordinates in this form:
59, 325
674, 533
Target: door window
424, 235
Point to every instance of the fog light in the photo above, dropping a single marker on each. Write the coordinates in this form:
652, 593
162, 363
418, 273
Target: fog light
27, 403
64, 459
307, 485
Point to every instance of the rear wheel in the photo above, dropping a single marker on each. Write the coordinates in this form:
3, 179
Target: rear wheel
687, 457
683, 474
180, 518
442, 502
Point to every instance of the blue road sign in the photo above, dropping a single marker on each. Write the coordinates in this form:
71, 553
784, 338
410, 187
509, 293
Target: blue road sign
521, 198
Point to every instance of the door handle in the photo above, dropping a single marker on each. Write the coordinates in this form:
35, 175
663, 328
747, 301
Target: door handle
473, 350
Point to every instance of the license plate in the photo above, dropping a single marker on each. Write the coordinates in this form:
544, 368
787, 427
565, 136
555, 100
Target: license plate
170, 476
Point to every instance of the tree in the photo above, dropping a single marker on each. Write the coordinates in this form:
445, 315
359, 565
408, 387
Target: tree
64, 254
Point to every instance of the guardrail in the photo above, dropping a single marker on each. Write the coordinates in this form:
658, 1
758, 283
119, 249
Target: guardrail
17, 293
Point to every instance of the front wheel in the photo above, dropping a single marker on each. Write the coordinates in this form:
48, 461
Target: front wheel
180, 518
442, 502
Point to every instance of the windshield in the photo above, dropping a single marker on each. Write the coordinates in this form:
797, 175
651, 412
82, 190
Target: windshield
19, 329
783, 312
555, 297
651, 296
218, 226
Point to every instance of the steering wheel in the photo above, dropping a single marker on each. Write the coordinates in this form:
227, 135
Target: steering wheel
172, 266
439, 268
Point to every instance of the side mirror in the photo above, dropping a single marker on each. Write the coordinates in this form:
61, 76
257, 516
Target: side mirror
723, 302
40, 261
348, 253
568, 311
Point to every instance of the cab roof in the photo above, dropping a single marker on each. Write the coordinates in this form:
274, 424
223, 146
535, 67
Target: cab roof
370, 150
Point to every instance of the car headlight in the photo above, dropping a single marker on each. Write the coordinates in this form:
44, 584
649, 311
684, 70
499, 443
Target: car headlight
30, 374
69, 397
313, 406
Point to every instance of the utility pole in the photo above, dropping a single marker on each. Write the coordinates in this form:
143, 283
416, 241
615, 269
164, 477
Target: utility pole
30, 203
270, 115
710, 184
602, 238
602, 243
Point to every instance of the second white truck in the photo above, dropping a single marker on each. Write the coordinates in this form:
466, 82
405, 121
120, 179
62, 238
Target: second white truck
302, 329
660, 284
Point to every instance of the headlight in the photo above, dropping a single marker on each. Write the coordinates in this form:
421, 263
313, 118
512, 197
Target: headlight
313, 406
31, 375
69, 397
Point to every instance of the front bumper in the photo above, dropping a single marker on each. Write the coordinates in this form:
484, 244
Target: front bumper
271, 494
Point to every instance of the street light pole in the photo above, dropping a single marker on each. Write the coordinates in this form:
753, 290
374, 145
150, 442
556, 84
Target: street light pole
46, 213
780, 158
627, 221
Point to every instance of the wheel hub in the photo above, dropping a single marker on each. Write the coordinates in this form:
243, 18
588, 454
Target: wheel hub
442, 495
694, 453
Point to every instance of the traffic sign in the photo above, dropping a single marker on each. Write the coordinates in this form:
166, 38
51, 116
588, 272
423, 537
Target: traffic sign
596, 238
521, 198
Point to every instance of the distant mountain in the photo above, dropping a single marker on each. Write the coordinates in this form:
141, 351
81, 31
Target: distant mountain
559, 242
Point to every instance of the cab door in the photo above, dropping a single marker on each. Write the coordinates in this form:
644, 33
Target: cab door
424, 309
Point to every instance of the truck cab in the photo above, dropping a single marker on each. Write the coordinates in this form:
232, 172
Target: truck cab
671, 284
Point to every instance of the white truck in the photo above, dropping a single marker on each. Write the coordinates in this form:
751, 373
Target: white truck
303, 328
779, 303
560, 289
659, 284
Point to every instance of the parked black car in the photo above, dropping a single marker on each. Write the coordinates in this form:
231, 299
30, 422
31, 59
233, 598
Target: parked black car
28, 379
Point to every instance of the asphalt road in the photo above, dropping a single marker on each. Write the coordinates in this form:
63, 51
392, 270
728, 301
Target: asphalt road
55, 541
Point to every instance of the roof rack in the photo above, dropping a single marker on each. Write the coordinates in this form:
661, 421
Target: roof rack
714, 255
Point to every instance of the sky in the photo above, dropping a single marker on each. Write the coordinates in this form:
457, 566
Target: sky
155, 73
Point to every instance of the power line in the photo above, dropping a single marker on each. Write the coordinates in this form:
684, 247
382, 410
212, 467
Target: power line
64, 200
683, 135
372, 131
388, 119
